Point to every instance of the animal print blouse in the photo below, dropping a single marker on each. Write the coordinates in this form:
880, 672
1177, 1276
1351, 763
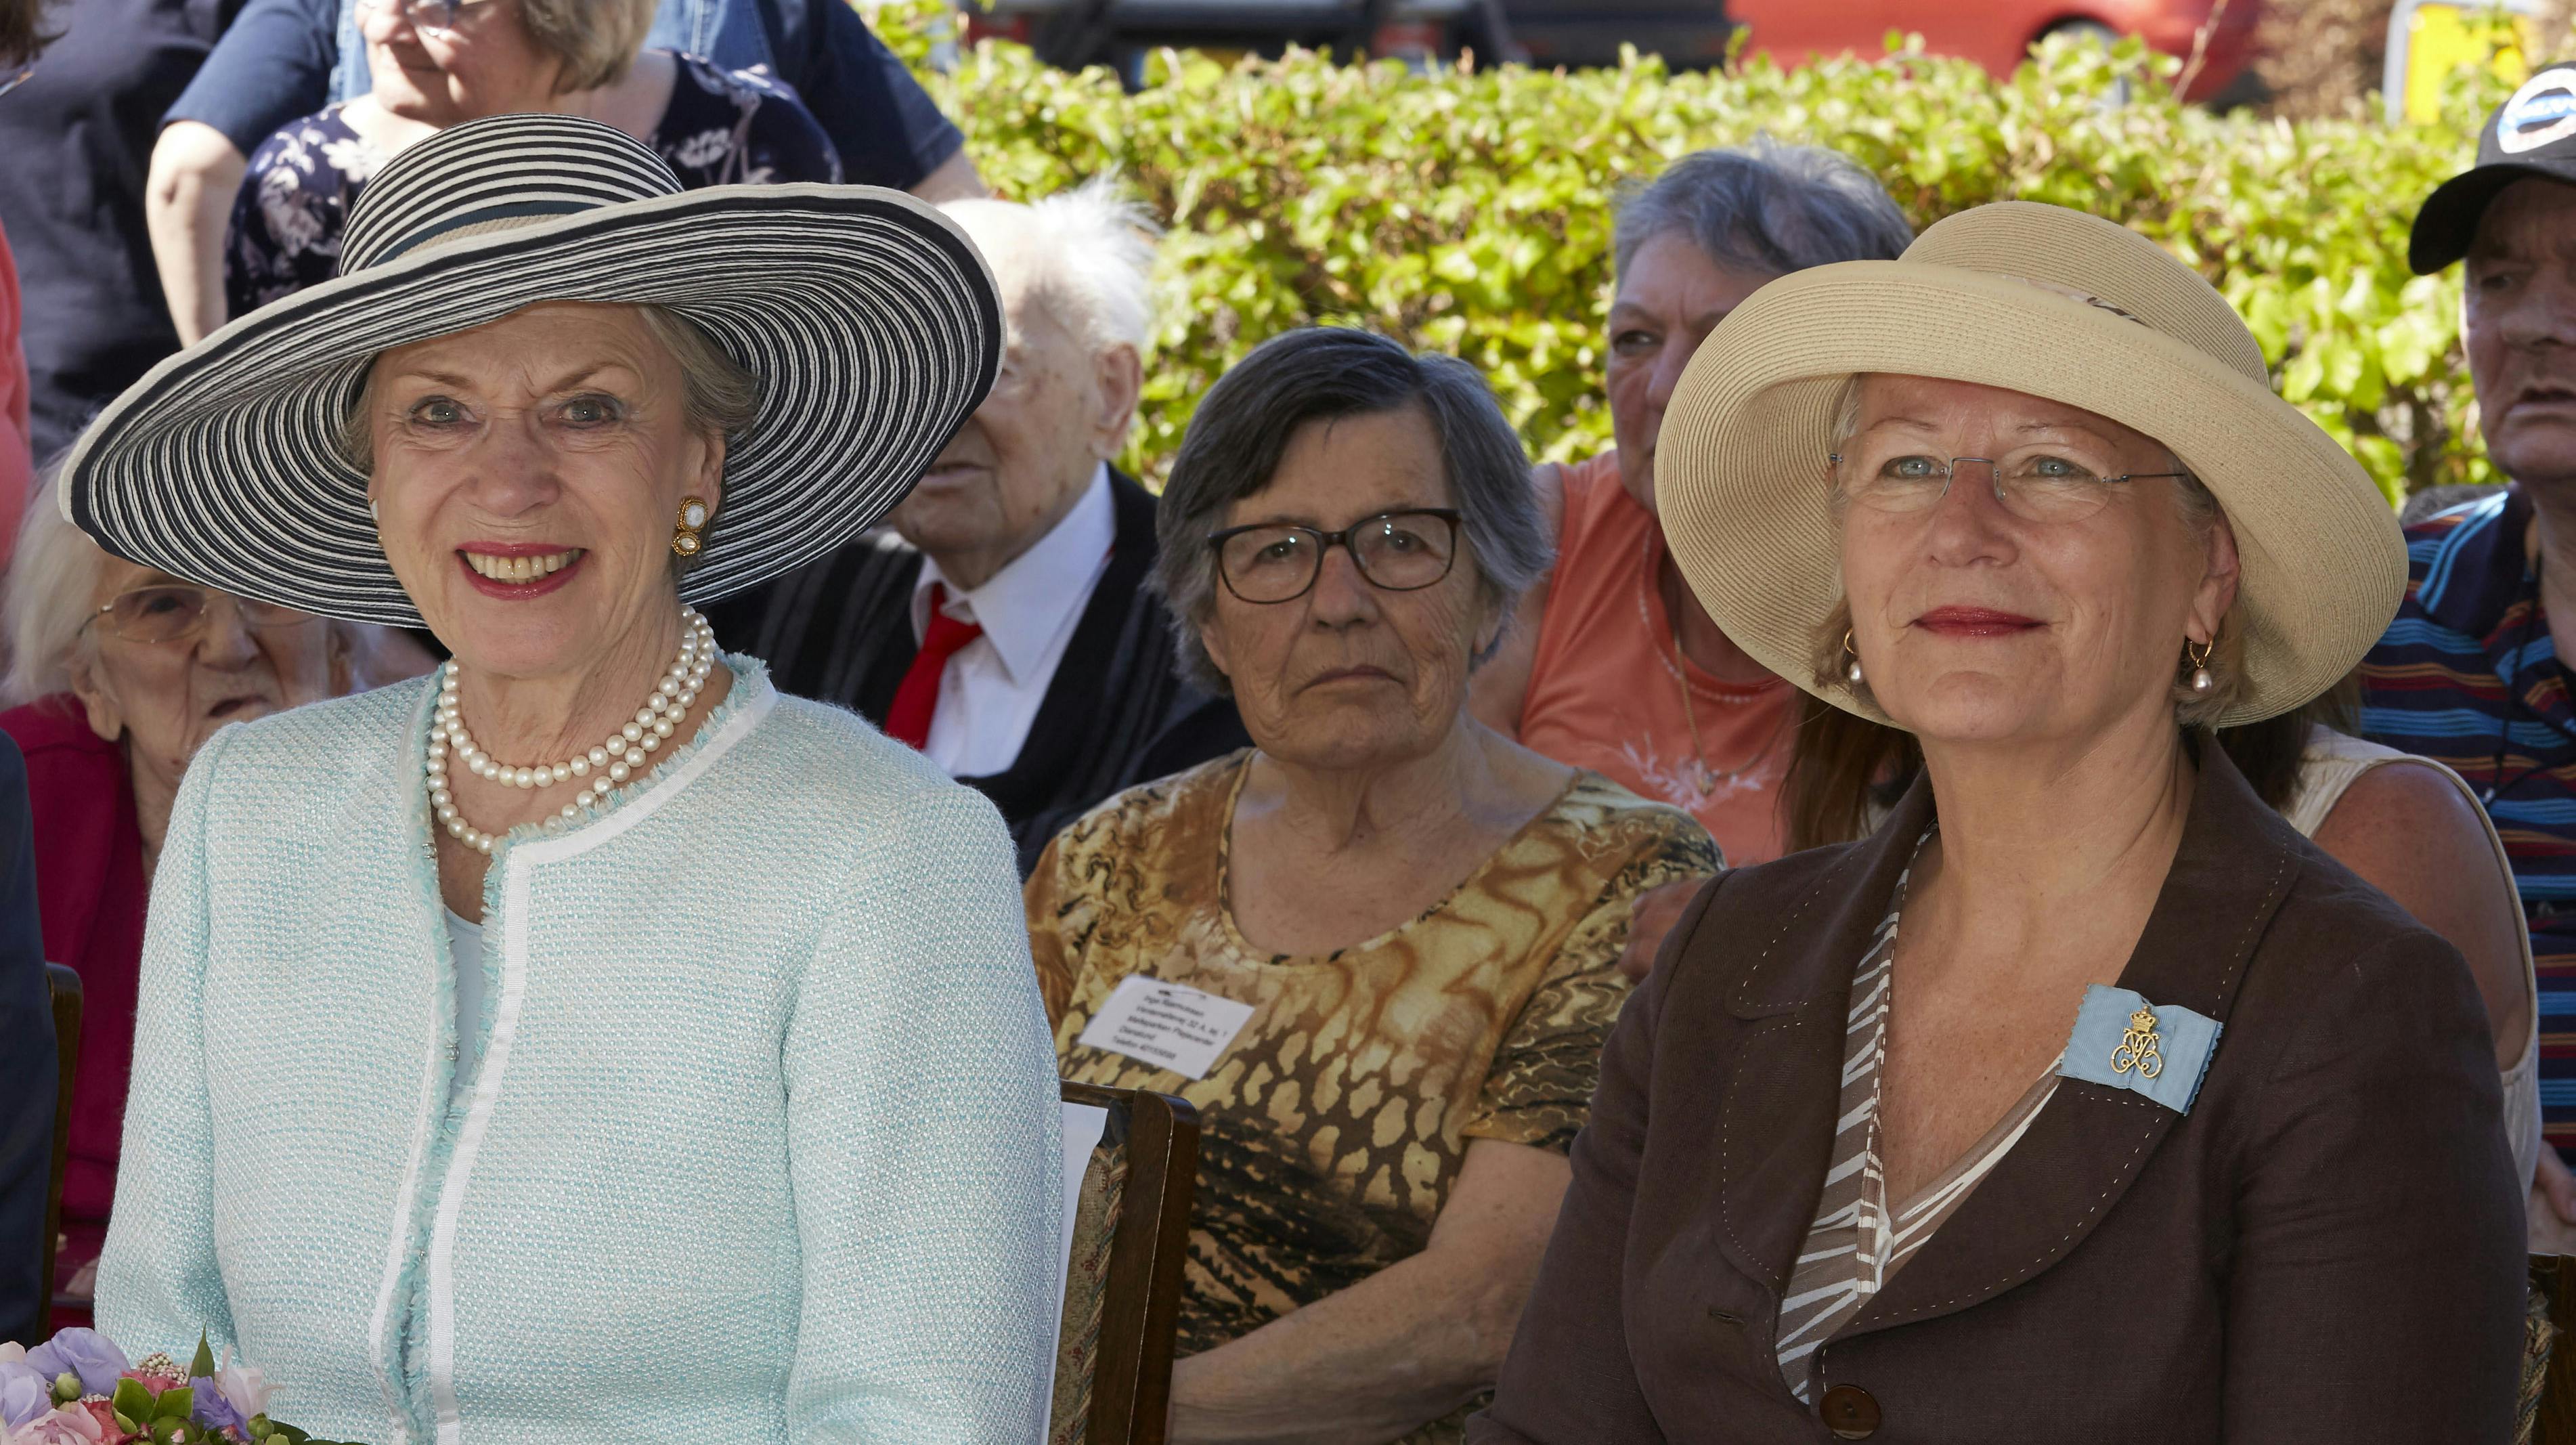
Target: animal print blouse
1335, 1122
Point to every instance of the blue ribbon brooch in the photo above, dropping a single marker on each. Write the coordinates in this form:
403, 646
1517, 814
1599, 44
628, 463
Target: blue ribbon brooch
2122, 1041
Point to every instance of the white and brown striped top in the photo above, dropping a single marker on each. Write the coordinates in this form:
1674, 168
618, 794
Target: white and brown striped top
1857, 1243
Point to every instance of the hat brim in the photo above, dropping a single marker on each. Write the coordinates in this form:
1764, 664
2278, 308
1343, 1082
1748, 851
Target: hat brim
1744, 493
869, 318
2448, 224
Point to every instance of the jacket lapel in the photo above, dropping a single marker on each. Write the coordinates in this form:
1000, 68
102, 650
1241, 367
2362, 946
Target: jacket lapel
1070, 723
1776, 1117
2236, 863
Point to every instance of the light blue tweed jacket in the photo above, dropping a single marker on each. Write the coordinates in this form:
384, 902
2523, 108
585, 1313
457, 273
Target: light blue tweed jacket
762, 1145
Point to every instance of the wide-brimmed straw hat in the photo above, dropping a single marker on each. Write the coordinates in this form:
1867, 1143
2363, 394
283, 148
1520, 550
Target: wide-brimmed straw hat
869, 319
2056, 304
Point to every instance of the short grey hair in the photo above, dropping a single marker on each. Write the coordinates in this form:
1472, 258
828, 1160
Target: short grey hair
1765, 208
720, 396
1094, 249
45, 603
1243, 426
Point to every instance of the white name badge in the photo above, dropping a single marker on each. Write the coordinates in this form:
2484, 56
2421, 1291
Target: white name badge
1169, 1025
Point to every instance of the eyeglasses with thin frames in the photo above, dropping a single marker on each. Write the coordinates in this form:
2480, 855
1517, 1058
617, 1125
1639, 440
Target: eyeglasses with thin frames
430, 17
2034, 485
173, 612
1399, 551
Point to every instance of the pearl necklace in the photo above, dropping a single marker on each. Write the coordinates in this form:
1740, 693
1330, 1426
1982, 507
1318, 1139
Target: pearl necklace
619, 757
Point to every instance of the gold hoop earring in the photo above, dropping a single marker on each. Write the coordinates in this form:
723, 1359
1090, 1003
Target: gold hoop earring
684, 533
2198, 662
1851, 670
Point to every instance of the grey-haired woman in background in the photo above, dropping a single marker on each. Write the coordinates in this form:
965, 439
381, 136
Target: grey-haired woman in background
1404, 925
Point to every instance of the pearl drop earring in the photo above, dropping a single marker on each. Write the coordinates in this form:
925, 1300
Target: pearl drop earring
2201, 681
1851, 671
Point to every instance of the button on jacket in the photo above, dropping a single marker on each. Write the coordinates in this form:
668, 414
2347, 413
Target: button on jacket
2327, 1248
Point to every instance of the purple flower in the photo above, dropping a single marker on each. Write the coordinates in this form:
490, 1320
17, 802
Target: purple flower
25, 1393
212, 1410
85, 1353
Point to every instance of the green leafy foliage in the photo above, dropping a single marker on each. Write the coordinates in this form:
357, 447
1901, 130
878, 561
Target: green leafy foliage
161, 1416
1469, 210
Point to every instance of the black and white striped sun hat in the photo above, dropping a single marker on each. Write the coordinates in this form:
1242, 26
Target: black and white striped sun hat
870, 320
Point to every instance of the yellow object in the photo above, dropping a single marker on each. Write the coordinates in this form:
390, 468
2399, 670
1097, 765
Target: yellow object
2138, 1047
2428, 41
684, 531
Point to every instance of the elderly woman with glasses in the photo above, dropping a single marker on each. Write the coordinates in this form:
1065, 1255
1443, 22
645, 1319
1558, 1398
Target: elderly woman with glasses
2085, 1099
1377, 951
119, 673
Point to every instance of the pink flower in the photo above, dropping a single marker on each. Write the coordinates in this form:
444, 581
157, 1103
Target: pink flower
105, 1414
70, 1425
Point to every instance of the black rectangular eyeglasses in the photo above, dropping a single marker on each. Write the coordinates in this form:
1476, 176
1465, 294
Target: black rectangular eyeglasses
1399, 551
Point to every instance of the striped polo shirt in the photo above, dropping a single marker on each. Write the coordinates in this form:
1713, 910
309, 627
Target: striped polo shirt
2468, 674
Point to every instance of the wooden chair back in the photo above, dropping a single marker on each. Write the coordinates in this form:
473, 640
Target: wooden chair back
1122, 1296
2549, 1401
65, 986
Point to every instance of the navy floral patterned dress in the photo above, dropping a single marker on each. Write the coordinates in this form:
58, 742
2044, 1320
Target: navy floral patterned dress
722, 127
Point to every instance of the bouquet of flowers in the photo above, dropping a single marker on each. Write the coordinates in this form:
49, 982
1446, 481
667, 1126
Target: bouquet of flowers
79, 1389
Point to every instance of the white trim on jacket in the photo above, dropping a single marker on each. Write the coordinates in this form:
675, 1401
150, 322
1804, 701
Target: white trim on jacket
518, 862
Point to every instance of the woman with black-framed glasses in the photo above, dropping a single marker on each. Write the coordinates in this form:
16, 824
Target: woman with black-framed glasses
1378, 951
117, 675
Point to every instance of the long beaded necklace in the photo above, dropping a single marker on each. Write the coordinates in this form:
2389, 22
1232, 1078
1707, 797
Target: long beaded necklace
619, 757
1704, 778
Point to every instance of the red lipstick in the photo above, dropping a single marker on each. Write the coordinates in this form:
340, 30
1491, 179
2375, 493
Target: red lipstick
1974, 622
517, 591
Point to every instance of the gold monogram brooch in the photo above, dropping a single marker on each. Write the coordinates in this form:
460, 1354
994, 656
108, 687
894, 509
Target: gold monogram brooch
2137, 1048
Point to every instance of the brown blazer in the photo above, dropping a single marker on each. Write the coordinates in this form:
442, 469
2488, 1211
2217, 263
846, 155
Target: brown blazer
2329, 1248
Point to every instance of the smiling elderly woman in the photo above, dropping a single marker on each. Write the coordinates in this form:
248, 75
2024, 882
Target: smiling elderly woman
2027, 494
545, 1051
1405, 925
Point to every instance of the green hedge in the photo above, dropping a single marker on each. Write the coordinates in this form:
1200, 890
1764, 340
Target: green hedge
1470, 213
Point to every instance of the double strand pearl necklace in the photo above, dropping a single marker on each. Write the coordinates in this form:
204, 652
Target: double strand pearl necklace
619, 757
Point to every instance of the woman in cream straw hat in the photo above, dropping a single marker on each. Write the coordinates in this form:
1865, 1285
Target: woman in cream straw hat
2027, 494
585, 1042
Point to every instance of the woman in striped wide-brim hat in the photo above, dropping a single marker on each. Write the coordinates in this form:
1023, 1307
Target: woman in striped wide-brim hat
585, 1042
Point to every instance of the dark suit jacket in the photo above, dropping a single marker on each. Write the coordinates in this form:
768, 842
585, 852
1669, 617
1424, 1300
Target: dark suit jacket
2328, 1248
27, 1068
1117, 712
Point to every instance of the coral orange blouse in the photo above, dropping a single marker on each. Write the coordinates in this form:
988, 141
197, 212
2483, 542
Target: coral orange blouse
1610, 691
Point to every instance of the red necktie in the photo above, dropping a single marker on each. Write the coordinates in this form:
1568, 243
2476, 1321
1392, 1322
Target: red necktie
908, 721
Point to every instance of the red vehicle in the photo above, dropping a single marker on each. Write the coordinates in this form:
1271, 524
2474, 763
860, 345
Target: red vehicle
1997, 34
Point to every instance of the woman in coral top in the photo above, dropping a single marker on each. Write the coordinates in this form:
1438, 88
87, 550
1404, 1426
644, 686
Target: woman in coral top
1614, 666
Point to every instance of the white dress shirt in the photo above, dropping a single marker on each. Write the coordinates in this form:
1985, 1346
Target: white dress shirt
990, 691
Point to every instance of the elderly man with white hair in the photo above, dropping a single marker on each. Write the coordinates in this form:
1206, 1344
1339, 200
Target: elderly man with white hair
1004, 625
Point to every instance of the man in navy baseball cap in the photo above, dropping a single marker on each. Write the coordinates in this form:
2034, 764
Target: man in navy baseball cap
2475, 671
2532, 136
